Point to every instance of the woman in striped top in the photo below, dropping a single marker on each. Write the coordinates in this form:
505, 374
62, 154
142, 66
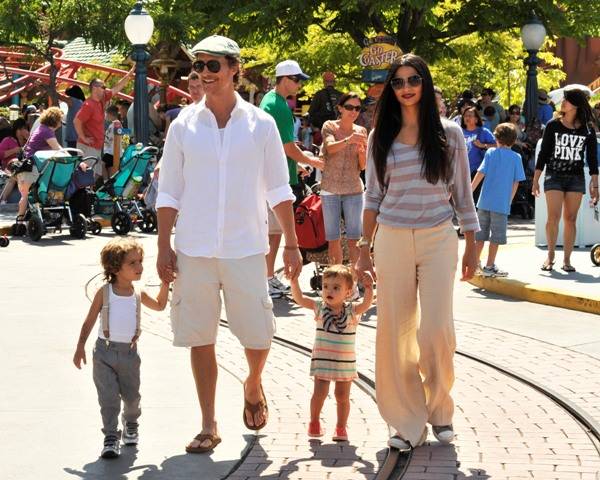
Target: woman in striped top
417, 171
334, 353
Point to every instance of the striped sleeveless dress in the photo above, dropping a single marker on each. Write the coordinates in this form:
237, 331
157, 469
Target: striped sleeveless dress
334, 352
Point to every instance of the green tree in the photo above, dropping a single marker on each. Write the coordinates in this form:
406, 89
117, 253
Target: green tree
38, 24
426, 27
494, 60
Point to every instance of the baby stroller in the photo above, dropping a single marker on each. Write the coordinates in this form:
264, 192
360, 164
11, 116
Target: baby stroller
47, 207
595, 251
117, 198
310, 230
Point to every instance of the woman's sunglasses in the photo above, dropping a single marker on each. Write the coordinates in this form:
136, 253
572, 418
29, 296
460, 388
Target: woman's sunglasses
214, 66
349, 108
515, 113
412, 81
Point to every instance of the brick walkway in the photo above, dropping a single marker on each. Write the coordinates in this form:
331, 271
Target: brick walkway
505, 429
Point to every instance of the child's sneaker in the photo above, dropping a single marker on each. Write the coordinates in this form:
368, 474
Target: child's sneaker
341, 435
111, 447
315, 430
130, 433
499, 273
493, 271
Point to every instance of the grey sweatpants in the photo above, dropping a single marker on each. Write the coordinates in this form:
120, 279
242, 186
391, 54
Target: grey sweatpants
116, 370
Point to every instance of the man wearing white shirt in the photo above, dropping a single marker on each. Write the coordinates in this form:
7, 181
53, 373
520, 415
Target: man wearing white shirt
221, 165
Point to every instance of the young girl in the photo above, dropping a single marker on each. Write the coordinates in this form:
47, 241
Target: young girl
334, 357
116, 363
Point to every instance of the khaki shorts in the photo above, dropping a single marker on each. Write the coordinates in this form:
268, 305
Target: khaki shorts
92, 152
274, 227
196, 302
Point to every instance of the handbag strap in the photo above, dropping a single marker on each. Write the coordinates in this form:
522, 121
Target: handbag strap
105, 314
104, 311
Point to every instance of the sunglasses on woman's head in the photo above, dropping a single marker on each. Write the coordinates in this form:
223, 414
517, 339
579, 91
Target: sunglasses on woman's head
214, 66
412, 81
348, 107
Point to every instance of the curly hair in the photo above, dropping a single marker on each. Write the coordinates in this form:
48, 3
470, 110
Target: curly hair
340, 271
51, 117
113, 255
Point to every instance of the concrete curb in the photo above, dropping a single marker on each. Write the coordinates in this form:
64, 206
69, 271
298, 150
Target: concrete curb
538, 294
5, 229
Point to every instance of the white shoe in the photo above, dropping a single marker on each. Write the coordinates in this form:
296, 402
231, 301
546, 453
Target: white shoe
444, 433
279, 284
130, 434
399, 443
111, 447
275, 291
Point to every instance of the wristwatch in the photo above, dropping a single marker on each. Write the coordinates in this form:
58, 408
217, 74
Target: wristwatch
363, 242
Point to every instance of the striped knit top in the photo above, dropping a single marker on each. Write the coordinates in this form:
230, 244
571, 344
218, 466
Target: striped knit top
334, 352
408, 200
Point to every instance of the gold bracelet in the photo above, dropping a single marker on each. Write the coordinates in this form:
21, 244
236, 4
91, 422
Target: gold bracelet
289, 247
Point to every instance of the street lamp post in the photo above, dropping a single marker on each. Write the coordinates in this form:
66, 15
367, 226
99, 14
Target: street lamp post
13, 112
533, 35
138, 28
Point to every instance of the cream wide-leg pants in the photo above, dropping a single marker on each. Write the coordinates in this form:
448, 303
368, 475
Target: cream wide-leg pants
414, 369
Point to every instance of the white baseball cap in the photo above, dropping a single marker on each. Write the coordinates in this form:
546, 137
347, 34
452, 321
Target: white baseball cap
289, 67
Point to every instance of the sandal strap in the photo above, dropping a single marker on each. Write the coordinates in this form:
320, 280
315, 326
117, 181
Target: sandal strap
206, 436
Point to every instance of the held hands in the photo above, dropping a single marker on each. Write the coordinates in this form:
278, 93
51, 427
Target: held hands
364, 267
367, 280
166, 264
79, 356
292, 262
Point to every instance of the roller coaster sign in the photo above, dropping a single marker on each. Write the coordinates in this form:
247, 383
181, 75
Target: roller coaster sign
377, 56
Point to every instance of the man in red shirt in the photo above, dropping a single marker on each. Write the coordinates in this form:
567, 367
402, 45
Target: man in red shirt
89, 122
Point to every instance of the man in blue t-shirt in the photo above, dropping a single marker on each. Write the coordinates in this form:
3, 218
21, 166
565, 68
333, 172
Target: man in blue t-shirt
501, 172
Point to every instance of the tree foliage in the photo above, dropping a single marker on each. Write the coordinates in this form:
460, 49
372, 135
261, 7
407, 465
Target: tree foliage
496, 61
425, 27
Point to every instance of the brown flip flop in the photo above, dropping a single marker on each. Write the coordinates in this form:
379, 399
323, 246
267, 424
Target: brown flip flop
254, 408
201, 437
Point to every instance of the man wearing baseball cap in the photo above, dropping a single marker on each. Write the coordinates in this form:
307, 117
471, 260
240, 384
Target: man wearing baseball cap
289, 77
208, 182
324, 102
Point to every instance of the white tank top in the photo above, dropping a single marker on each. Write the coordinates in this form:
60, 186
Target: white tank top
122, 317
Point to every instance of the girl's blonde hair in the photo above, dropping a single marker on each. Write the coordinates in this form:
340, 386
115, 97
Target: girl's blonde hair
340, 271
113, 255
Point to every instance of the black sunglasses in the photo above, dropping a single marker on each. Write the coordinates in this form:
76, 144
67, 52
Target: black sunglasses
349, 107
214, 66
398, 82
514, 112
294, 78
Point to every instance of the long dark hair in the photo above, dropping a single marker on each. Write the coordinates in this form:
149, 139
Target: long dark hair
433, 145
584, 114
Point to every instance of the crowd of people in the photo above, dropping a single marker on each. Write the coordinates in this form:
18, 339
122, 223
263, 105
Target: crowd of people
397, 179
245, 161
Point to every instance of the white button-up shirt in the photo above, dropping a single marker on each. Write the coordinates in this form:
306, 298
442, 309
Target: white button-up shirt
221, 181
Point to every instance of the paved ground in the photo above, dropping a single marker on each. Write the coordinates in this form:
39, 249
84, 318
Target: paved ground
505, 429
